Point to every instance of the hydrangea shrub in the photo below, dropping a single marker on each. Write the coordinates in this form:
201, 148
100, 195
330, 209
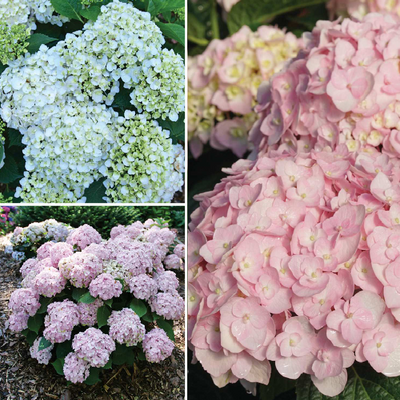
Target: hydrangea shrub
87, 304
293, 258
25, 242
90, 98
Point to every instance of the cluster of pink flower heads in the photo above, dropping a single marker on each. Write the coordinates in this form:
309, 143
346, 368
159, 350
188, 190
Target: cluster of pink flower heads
126, 327
179, 250
358, 9
342, 89
76, 370
88, 312
296, 259
135, 255
157, 346
105, 287
143, 286
80, 268
60, 320
93, 346
224, 81
42, 356
83, 237
168, 305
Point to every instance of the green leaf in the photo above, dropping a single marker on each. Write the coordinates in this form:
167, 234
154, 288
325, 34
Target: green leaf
123, 355
87, 298
63, 349
30, 336
173, 31
256, 12
9, 172
14, 138
44, 343
37, 39
58, 366
93, 377
277, 385
141, 356
102, 315
156, 7
69, 8
95, 192
92, 12
108, 302
150, 316
122, 99
139, 307
36, 322
363, 384
77, 293
44, 302
167, 325
109, 364
177, 129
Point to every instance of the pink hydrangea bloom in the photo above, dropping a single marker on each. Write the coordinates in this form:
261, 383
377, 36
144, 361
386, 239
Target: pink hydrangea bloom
42, 356
18, 322
358, 9
166, 281
49, 282
80, 268
99, 250
76, 370
93, 346
59, 251
222, 83
173, 261
105, 287
179, 250
24, 301
168, 305
126, 327
61, 319
157, 346
143, 286
88, 312
44, 250
28, 266
83, 237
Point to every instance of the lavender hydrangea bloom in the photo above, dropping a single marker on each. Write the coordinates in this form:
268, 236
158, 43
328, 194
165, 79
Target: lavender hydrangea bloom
76, 370
42, 356
126, 327
157, 346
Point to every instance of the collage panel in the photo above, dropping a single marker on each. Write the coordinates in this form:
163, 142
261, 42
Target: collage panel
92, 302
293, 199
92, 101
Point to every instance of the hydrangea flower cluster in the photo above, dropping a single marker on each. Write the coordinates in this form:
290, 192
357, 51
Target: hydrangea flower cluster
294, 259
157, 346
60, 98
223, 82
89, 276
30, 238
358, 9
342, 88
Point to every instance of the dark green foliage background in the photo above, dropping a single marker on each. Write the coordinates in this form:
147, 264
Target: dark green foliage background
102, 218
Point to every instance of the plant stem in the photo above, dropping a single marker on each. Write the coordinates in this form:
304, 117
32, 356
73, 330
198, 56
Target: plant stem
214, 20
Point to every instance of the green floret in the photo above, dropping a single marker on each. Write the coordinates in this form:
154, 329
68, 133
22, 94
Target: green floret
180, 13
89, 2
13, 41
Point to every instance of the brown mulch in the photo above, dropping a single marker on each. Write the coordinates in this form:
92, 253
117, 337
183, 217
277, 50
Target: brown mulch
22, 378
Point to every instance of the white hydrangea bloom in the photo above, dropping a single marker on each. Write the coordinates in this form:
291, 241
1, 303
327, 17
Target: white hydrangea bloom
16, 12
161, 87
142, 164
44, 12
58, 98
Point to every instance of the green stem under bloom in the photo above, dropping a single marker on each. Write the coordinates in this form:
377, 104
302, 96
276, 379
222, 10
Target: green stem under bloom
214, 20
